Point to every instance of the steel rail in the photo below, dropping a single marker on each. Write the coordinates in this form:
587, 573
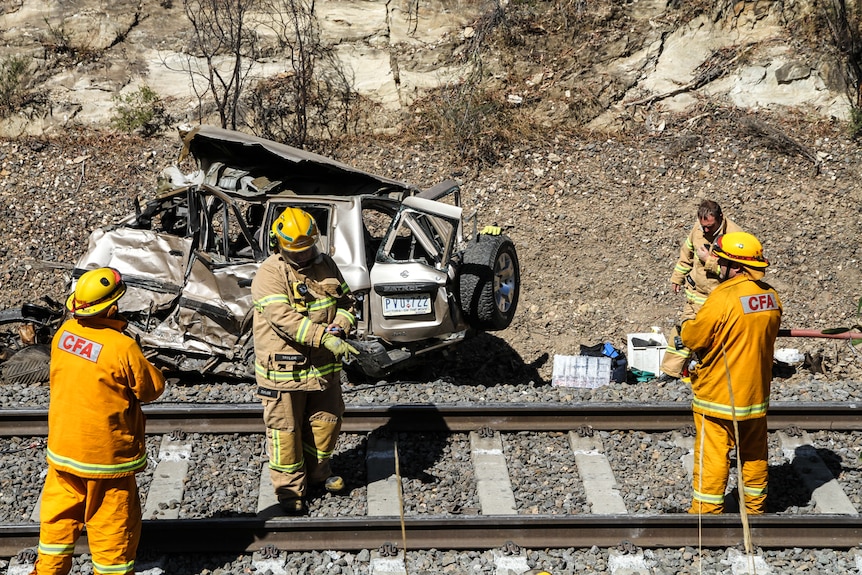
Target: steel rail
249, 534
247, 417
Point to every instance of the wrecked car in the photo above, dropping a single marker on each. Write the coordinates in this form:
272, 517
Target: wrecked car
422, 283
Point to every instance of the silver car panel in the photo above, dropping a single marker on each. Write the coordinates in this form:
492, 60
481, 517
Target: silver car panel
412, 263
153, 265
189, 255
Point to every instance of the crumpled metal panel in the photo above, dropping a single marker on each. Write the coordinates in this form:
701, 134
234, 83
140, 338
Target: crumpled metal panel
211, 313
152, 265
213, 306
308, 171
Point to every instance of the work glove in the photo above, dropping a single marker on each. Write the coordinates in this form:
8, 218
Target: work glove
339, 348
491, 230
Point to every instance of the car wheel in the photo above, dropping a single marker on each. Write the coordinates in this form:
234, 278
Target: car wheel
25, 363
28, 366
489, 283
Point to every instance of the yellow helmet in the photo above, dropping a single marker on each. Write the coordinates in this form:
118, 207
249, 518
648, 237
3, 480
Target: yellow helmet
95, 292
294, 231
742, 248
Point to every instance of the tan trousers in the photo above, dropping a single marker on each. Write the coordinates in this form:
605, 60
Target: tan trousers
712, 444
302, 430
674, 360
111, 510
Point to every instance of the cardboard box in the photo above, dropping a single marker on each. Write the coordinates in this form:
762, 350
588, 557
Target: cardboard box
581, 371
646, 357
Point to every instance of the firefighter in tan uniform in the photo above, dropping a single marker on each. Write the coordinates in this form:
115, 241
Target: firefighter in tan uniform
99, 378
696, 273
734, 337
303, 314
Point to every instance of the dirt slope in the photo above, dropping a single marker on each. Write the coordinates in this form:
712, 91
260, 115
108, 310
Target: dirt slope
597, 222
597, 218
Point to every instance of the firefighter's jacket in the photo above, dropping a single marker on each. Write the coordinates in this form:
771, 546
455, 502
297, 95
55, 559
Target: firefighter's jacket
99, 377
293, 308
702, 276
734, 337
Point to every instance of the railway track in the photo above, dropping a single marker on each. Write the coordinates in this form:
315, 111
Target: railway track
247, 418
306, 534
497, 522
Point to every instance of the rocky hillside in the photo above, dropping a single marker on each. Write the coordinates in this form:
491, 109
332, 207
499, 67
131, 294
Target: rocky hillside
597, 223
604, 64
697, 101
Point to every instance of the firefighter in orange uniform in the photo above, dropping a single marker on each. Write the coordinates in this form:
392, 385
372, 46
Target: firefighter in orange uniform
734, 335
303, 314
99, 377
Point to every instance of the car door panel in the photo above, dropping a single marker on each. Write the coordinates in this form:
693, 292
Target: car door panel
411, 297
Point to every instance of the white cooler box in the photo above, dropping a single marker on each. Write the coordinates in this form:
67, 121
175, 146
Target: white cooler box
646, 357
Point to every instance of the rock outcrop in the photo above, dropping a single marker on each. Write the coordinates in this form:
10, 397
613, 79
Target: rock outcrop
650, 58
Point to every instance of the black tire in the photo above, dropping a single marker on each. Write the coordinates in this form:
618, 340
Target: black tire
24, 364
13, 315
489, 283
28, 366
10, 341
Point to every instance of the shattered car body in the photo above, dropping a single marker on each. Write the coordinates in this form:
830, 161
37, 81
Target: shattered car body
188, 256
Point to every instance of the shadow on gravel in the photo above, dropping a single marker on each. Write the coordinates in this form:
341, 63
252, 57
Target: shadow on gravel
483, 359
788, 488
420, 438
792, 484
149, 561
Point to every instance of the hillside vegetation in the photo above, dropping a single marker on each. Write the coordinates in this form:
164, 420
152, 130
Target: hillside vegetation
564, 129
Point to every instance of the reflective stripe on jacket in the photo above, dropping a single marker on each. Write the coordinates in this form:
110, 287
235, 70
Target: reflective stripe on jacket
99, 377
736, 328
292, 310
703, 274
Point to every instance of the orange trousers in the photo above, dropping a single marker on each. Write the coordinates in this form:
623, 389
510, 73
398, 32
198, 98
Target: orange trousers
111, 511
712, 443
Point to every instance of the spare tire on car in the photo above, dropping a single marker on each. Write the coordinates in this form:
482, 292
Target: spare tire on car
489, 282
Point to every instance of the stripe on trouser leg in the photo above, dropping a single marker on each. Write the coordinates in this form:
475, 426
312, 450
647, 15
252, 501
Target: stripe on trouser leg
754, 492
56, 549
708, 497
711, 466
283, 453
317, 454
122, 569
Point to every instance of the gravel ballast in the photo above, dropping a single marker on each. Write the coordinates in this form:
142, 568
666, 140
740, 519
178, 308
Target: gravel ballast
597, 224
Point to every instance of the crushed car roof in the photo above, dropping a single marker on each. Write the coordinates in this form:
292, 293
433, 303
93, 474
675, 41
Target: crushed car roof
298, 171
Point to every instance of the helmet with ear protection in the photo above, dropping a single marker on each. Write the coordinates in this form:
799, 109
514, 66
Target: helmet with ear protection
293, 231
95, 291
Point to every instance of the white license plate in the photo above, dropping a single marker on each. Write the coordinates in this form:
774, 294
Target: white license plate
406, 305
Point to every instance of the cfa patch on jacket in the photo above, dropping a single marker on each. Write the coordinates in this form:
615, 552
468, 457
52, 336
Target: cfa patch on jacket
80, 346
758, 302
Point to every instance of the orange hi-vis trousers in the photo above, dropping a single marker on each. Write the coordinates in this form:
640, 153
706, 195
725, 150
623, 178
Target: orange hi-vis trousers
713, 441
111, 511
